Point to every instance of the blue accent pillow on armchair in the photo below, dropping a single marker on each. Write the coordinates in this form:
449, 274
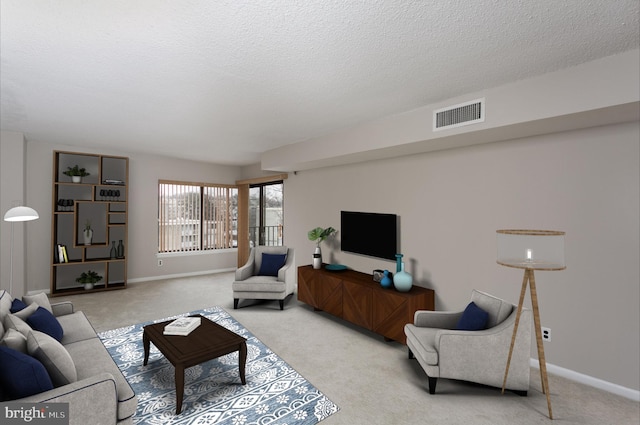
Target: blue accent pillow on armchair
271, 263
473, 318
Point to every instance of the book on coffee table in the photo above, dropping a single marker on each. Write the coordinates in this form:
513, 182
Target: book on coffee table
182, 326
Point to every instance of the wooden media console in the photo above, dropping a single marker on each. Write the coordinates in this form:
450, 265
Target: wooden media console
357, 298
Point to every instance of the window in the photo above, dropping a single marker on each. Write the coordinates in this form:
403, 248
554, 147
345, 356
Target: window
196, 216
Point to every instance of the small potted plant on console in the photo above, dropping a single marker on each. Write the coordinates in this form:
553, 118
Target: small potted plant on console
317, 235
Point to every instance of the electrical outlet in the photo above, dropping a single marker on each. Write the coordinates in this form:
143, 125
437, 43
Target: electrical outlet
546, 334
159, 263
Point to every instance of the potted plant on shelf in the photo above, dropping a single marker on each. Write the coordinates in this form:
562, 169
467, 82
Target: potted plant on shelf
76, 173
88, 279
317, 235
87, 233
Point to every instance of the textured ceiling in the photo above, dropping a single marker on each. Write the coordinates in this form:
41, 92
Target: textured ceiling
224, 81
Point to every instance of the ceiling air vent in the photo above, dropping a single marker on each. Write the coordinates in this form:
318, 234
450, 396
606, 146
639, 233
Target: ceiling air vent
458, 115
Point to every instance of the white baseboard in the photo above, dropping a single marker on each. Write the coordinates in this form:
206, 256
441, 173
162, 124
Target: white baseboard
147, 279
589, 380
173, 276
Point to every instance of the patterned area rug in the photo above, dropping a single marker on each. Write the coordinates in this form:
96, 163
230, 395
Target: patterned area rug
274, 394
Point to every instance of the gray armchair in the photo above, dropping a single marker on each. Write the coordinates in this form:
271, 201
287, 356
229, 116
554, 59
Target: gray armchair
250, 284
477, 356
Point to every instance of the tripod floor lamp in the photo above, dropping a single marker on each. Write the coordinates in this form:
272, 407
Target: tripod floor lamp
13, 215
531, 250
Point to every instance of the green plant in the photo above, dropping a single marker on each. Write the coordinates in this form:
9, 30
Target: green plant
319, 234
75, 171
87, 225
89, 277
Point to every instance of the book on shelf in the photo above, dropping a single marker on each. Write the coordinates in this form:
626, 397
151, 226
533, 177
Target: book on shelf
61, 254
182, 326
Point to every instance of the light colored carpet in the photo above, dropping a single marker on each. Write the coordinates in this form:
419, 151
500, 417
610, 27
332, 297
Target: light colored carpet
274, 392
371, 380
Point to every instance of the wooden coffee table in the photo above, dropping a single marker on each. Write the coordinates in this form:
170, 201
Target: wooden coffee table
208, 341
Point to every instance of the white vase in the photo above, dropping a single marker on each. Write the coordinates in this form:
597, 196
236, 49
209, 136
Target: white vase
88, 286
317, 258
88, 235
76, 179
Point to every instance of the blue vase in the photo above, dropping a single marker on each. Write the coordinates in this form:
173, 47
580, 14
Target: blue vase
398, 262
402, 280
386, 280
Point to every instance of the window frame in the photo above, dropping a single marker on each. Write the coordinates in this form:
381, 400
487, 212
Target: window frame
261, 238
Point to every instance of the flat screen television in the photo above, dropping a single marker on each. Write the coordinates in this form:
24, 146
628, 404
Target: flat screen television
372, 234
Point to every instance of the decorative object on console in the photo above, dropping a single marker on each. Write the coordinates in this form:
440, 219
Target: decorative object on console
114, 252
76, 173
402, 280
87, 233
386, 281
317, 235
398, 262
378, 275
335, 267
19, 213
317, 258
531, 250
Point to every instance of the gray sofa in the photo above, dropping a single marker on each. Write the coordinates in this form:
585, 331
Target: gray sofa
100, 394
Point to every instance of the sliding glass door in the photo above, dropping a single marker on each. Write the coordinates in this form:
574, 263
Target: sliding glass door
266, 214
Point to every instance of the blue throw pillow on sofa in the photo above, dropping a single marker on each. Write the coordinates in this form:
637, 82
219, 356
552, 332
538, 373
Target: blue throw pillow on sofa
473, 318
17, 305
271, 263
42, 320
21, 375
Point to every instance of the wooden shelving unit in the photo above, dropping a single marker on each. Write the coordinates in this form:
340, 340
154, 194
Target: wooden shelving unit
105, 205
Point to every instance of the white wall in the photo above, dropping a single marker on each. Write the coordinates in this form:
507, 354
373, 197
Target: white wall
600, 92
451, 202
12, 194
144, 173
